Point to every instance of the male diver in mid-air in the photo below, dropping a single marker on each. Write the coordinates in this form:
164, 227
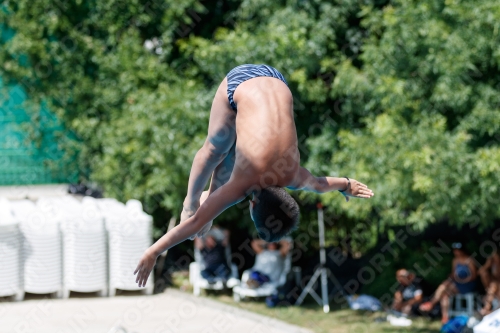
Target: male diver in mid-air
251, 149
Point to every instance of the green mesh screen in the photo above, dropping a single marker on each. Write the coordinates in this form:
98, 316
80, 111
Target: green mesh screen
23, 161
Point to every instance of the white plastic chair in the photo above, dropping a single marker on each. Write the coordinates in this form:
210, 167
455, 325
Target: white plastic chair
242, 291
130, 234
85, 248
42, 252
199, 283
464, 304
11, 282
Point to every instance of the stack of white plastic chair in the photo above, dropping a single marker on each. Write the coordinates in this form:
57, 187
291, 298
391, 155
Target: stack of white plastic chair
84, 246
130, 234
11, 283
42, 253
42, 250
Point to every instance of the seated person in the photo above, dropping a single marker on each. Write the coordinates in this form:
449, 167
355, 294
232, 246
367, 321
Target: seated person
409, 294
269, 262
490, 277
462, 280
213, 251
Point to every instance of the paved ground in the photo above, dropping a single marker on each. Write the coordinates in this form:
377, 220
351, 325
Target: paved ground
169, 312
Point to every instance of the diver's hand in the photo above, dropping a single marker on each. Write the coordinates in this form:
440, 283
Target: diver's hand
145, 266
356, 189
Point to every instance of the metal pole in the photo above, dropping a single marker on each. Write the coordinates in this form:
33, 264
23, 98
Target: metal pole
320, 271
322, 259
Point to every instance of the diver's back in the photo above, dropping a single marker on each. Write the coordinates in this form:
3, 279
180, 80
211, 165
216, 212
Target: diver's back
265, 126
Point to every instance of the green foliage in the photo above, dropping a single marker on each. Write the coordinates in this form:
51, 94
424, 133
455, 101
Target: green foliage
402, 95
427, 90
138, 120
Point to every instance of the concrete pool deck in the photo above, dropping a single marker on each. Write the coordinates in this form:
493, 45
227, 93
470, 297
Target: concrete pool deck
169, 312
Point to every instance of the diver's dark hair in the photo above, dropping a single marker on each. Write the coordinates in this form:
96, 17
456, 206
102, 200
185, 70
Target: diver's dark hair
275, 213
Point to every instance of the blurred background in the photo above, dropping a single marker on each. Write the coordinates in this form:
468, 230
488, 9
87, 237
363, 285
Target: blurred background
114, 96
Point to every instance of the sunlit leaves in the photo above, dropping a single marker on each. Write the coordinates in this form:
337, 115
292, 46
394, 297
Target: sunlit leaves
402, 95
430, 82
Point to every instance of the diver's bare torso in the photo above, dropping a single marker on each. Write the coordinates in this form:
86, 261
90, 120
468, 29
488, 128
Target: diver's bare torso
266, 145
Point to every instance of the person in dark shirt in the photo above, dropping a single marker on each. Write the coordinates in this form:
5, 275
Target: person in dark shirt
213, 251
408, 295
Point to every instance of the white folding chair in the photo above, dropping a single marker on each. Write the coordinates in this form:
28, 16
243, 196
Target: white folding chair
242, 290
464, 304
199, 283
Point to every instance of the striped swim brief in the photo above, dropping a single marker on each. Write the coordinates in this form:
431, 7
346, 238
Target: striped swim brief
246, 72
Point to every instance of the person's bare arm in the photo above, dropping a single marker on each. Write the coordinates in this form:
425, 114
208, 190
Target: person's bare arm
224, 197
398, 300
418, 298
487, 265
198, 243
220, 176
201, 170
307, 182
223, 171
221, 136
473, 270
203, 231
453, 266
285, 247
257, 245
225, 241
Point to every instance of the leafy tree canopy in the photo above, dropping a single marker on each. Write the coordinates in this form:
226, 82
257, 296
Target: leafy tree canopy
402, 95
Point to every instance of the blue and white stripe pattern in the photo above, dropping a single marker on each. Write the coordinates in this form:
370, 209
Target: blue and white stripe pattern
242, 73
